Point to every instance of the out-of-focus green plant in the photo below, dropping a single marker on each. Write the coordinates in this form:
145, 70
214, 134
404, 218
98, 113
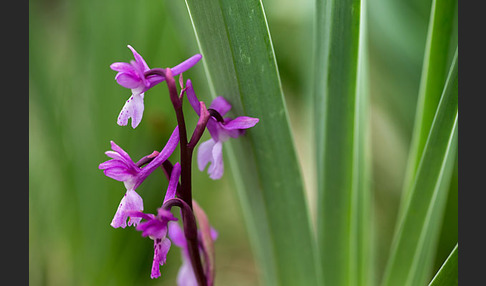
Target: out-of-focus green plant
357, 103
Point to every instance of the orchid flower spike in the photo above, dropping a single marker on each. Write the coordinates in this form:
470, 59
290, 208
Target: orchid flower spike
122, 168
220, 128
136, 76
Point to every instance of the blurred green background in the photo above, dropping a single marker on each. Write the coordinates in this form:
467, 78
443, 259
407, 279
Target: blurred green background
74, 102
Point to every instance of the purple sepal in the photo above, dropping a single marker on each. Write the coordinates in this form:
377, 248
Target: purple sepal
191, 97
155, 79
221, 105
242, 122
174, 180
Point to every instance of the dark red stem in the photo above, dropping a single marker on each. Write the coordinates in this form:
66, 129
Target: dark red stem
185, 195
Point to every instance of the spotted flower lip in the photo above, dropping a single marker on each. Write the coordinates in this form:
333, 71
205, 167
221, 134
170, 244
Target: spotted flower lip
221, 129
161, 249
136, 76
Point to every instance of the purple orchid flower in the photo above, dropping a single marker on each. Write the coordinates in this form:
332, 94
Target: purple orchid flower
156, 228
136, 76
122, 168
221, 129
185, 276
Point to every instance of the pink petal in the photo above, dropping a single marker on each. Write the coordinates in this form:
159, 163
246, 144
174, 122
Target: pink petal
115, 155
216, 169
153, 228
129, 80
185, 65
205, 153
119, 174
221, 105
214, 128
122, 67
121, 152
114, 163
139, 60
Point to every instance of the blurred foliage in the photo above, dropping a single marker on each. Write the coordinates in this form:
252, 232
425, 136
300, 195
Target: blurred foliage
74, 102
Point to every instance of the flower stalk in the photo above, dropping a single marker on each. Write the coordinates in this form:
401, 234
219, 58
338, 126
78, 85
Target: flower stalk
188, 220
196, 244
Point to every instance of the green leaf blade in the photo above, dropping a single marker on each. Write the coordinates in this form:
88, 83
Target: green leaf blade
441, 42
240, 63
417, 230
340, 116
448, 273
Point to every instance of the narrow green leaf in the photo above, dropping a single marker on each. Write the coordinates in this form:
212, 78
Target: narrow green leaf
415, 239
449, 236
362, 165
340, 97
441, 42
448, 273
240, 64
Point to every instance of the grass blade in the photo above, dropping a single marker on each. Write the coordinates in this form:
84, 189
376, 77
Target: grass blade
441, 42
448, 273
240, 64
415, 240
343, 221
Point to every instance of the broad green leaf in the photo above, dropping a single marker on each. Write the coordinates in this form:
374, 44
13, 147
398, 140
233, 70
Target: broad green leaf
448, 273
441, 42
340, 115
240, 64
415, 239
